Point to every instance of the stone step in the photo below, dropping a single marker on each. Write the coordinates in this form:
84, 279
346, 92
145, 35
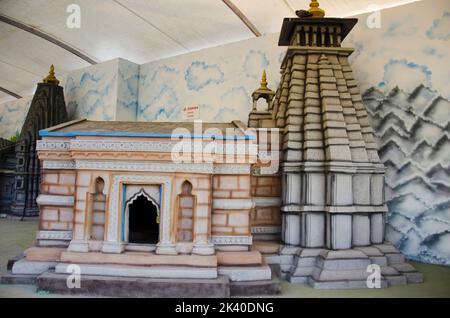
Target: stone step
139, 258
20, 279
272, 259
239, 258
265, 247
11, 261
136, 287
386, 248
370, 251
25, 267
379, 260
394, 258
305, 261
339, 264
404, 268
345, 254
303, 271
389, 271
247, 273
141, 271
290, 250
334, 275
49, 254
297, 279
396, 280
413, 277
265, 287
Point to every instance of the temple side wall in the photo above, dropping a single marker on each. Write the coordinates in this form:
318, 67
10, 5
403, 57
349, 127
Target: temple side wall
56, 186
231, 205
265, 217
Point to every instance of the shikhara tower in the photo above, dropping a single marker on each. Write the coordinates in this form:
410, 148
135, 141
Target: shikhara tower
332, 177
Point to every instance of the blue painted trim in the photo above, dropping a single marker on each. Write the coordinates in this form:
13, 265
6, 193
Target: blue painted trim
124, 187
46, 133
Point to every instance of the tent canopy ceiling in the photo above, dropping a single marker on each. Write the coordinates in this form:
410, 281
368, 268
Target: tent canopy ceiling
34, 33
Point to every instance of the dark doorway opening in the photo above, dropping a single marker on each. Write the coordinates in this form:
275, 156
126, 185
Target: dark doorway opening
143, 226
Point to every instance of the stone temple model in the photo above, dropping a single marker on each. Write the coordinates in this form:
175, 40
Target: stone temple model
332, 201
136, 223
19, 164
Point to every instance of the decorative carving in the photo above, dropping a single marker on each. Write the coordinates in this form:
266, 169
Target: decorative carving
52, 145
144, 166
58, 164
54, 235
266, 229
154, 166
241, 148
231, 240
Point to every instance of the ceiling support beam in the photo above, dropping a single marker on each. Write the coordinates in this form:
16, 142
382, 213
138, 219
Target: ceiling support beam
7, 91
242, 16
47, 37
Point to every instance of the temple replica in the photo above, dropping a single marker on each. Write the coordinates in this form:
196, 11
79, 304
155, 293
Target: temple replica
135, 222
19, 164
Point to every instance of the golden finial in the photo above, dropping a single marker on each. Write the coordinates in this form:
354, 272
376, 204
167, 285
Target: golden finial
264, 81
315, 10
51, 76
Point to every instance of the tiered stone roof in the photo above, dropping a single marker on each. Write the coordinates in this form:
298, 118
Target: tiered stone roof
319, 105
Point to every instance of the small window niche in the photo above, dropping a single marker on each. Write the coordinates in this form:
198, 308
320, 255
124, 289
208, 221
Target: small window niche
97, 211
186, 202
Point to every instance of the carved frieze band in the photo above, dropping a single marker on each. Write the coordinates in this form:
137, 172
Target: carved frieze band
208, 168
229, 147
60, 145
54, 235
266, 229
58, 164
231, 240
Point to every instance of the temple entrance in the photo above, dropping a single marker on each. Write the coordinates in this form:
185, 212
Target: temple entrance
143, 222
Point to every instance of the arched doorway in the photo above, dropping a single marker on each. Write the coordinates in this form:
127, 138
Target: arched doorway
143, 220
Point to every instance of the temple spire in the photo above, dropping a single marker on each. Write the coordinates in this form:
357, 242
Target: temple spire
315, 10
264, 81
51, 76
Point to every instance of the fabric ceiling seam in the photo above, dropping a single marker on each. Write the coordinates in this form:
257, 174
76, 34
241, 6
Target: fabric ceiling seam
242, 17
7, 91
153, 25
47, 37
20, 68
288, 4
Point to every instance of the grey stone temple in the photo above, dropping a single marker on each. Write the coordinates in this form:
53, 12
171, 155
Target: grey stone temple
332, 176
19, 164
332, 205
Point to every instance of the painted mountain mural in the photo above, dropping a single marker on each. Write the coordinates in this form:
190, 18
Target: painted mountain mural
413, 132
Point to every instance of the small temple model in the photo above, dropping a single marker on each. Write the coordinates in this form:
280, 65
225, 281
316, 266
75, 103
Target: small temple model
221, 228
